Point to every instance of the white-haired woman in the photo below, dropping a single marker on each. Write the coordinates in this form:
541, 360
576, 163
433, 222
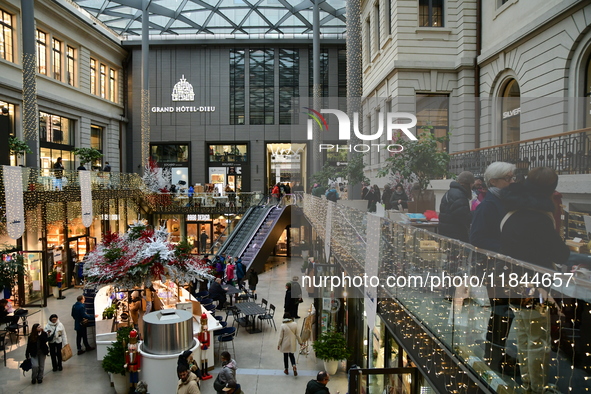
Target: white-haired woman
485, 233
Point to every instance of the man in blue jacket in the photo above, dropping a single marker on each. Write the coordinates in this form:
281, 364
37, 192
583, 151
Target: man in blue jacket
79, 314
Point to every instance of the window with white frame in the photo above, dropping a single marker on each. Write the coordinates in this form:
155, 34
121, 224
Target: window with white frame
112, 85
6, 36
41, 52
103, 81
70, 65
56, 50
93, 76
377, 25
431, 13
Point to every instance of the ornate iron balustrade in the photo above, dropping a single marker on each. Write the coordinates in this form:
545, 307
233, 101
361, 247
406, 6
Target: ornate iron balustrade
567, 153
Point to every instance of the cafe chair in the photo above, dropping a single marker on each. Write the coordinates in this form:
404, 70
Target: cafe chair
202, 295
265, 304
226, 335
269, 316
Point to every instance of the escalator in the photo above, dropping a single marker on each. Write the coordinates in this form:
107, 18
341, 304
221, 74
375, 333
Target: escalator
242, 234
257, 234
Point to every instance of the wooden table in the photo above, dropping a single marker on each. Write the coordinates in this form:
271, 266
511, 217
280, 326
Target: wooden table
251, 309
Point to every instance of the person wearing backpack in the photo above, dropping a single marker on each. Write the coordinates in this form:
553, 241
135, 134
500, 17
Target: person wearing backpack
240, 272
332, 194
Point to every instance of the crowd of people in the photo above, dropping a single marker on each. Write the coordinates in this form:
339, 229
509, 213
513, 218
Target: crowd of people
517, 217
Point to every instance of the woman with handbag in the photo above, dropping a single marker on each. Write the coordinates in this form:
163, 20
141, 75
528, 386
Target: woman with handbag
57, 338
37, 350
288, 343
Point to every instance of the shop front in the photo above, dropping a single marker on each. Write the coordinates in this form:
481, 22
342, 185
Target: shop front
207, 232
228, 167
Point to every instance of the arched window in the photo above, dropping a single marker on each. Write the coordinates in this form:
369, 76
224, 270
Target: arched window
588, 94
510, 112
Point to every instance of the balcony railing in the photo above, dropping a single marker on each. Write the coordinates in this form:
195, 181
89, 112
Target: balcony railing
567, 153
411, 265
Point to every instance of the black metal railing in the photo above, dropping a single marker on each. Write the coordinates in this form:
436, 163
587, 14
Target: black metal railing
567, 153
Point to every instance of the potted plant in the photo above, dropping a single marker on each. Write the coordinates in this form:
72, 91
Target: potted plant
109, 312
10, 269
18, 148
331, 347
52, 282
421, 161
87, 155
114, 360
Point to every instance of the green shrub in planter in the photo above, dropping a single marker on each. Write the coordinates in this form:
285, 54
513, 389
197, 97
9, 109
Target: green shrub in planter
52, 279
114, 360
331, 345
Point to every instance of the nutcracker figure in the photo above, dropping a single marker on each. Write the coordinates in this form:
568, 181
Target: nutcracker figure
59, 278
204, 340
132, 360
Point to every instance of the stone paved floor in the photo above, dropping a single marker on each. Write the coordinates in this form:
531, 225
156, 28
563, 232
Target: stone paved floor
260, 365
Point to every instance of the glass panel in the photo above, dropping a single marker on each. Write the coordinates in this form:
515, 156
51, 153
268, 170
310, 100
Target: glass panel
57, 59
588, 94
56, 129
288, 85
71, 62
237, 86
169, 153
228, 153
6, 43
42, 52
33, 277
96, 137
262, 76
433, 113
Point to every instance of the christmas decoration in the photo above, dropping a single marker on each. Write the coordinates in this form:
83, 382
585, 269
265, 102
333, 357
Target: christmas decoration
141, 256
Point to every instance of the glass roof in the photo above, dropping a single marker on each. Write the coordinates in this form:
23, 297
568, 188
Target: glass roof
221, 18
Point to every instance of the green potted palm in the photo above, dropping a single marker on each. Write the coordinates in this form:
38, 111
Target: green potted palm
114, 360
87, 155
18, 148
331, 347
422, 160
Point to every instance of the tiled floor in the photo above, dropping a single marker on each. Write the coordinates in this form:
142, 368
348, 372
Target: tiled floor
260, 365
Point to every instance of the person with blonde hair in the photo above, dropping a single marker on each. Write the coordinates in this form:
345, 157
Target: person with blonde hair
288, 342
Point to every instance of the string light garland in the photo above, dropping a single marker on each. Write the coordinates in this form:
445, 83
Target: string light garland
445, 329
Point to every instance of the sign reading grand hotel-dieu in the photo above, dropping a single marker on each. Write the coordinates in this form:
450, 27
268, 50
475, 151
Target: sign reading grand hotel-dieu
183, 91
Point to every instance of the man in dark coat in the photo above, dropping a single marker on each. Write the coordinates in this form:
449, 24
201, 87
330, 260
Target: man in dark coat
319, 385
454, 212
217, 292
296, 294
79, 314
528, 233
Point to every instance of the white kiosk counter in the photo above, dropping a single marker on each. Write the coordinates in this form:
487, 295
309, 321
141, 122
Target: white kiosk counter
158, 370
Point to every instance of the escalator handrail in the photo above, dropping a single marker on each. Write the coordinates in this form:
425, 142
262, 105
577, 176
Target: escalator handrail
259, 227
236, 230
226, 230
